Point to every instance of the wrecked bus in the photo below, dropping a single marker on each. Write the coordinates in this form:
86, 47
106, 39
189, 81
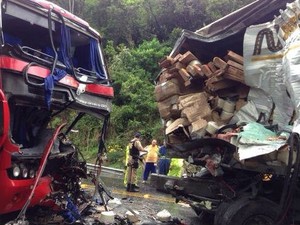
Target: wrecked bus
228, 95
51, 63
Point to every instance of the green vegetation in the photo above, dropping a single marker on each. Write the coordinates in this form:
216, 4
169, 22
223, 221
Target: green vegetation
176, 167
136, 35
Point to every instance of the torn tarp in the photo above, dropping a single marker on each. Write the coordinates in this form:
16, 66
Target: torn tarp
50, 81
255, 140
263, 54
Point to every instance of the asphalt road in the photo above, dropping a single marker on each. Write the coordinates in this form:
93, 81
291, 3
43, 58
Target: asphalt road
148, 202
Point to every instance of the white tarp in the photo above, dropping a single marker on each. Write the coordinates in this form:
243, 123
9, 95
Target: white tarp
263, 53
272, 64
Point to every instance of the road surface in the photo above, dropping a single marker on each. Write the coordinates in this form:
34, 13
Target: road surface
148, 202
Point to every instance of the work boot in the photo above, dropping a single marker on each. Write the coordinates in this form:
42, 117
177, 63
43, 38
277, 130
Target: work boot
132, 188
135, 186
128, 187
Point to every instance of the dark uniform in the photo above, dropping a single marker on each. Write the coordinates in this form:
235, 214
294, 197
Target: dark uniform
135, 147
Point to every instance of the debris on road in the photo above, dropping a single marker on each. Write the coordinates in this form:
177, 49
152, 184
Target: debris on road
164, 216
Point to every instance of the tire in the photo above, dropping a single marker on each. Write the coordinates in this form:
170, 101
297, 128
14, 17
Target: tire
245, 211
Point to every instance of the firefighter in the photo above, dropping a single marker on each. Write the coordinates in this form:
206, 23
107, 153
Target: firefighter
135, 147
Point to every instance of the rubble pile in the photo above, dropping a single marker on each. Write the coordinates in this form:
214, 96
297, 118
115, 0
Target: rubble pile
195, 99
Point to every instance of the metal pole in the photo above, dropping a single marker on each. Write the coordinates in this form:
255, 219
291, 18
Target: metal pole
71, 5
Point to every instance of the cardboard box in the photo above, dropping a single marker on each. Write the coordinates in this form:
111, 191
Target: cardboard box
165, 76
179, 123
175, 112
164, 107
187, 100
196, 110
198, 128
166, 89
164, 112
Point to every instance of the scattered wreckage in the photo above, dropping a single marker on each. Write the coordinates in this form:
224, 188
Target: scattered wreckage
228, 95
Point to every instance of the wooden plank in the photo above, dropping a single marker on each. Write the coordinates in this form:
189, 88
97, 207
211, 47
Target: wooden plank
195, 62
235, 64
206, 70
221, 85
212, 67
184, 74
233, 73
235, 57
233, 77
214, 79
176, 58
199, 71
165, 62
219, 63
191, 70
187, 83
176, 67
187, 57
218, 73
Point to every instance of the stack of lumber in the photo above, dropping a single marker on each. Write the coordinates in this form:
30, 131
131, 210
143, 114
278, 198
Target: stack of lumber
195, 98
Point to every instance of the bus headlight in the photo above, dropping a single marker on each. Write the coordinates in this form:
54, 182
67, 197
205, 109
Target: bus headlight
31, 173
24, 172
16, 171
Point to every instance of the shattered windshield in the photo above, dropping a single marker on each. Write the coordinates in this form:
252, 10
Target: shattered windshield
77, 50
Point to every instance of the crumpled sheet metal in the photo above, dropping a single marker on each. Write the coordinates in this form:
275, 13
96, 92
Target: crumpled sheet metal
258, 103
263, 69
291, 66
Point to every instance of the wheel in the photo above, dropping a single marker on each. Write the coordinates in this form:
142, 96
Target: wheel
245, 211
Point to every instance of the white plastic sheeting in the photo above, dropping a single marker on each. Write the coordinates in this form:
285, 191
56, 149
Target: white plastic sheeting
272, 67
263, 66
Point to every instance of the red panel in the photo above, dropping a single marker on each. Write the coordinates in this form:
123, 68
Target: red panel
10, 63
5, 117
14, 193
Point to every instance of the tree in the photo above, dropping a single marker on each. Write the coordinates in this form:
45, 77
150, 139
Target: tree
216, 9
133, 72
132, 21
77, 8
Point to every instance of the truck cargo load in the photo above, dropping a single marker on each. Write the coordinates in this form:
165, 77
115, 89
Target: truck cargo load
236, 117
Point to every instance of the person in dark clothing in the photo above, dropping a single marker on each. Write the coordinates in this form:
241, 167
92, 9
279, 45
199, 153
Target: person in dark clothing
135, 147
163, 162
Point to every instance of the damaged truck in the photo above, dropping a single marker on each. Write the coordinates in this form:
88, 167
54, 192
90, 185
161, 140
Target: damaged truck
51, 64
229, 96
